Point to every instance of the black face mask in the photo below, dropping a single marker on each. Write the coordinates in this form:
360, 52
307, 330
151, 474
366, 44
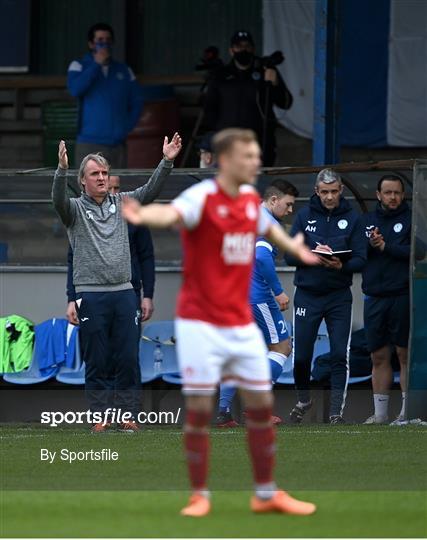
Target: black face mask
244, 58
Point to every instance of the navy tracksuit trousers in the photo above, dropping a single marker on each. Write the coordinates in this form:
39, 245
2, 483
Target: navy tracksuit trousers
309, 310
109, 336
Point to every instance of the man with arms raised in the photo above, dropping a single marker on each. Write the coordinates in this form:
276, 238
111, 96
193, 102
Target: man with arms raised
108, 308
216, 335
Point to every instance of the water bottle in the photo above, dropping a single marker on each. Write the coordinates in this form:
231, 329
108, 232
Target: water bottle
158, 359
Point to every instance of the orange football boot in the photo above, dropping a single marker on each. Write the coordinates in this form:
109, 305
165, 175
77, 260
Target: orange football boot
283, 503
198, 506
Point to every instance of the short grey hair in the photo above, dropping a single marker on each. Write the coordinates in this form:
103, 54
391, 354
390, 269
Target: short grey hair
328, 176
98, 158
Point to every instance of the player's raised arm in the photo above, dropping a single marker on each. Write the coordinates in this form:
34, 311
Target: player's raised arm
160, 216
295, 245
151, 190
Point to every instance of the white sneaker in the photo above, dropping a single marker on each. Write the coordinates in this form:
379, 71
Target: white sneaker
376, 420
398, 421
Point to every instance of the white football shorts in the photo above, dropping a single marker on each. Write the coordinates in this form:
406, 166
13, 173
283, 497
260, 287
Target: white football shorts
210, 354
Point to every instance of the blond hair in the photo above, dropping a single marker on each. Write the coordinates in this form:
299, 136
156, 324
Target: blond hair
223, 141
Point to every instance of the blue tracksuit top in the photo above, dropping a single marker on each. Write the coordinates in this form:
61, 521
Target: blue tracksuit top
340, 229
110, 102
387, 272
265, 283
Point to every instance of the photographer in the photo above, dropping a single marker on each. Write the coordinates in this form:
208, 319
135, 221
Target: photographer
243, 92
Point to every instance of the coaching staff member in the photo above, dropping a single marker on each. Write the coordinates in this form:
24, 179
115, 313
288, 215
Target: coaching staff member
107, 305
386, 286
329, 223
236, 95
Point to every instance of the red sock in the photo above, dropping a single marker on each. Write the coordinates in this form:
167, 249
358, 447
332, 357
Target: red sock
262, 447
197, 449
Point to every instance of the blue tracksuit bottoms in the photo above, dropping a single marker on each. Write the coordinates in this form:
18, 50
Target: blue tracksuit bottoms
310, 309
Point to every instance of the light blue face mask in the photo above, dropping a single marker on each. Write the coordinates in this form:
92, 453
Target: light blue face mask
103, 45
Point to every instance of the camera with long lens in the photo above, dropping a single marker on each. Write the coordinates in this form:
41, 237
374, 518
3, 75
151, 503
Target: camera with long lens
272, 60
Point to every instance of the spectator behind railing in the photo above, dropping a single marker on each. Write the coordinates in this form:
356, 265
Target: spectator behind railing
110, 99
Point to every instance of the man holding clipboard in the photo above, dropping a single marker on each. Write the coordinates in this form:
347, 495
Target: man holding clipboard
333, 229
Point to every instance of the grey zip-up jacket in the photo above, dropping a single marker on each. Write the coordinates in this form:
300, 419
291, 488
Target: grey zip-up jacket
98, 233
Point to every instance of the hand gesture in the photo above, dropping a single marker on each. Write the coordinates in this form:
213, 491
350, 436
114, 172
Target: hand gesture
323, 247
283, 300
62, 155
270, 75
377, 240
173, 148
333, 262
131, 210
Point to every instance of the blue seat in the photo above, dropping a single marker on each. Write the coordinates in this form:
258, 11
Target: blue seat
31, 375
172, 378
157, 335
321, 345
355, 380
323, 330
286, 378
396, 377
74, 374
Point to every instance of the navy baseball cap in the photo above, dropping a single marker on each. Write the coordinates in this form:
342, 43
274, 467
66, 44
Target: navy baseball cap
205, 142
241, 35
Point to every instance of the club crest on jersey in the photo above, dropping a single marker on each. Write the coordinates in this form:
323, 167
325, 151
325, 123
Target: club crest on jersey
89, 214
300, 311
251, 211
343, 224
311, 227
397, 227
238, 248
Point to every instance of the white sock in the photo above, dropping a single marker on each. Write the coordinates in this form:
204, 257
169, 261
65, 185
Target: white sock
265, 491
381, 405
204, 492
402, 410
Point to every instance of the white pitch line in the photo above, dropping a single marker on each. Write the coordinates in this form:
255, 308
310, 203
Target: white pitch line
214, 433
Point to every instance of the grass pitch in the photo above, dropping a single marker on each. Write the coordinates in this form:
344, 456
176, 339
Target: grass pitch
367, 481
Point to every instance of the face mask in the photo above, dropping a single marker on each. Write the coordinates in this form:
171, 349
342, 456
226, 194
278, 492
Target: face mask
103, 45
244, 58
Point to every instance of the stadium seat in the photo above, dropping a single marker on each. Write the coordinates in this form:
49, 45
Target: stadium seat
396, 377
286, 378
321, 345
323, 331
75, 374
31, 375
355, 380
172, 378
